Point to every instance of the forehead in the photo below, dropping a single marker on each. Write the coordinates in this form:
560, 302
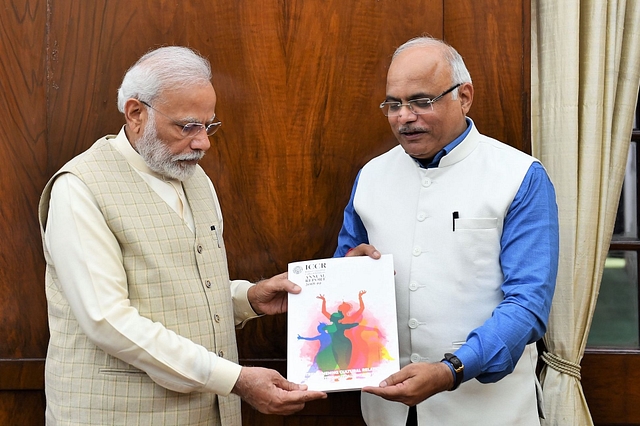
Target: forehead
418, 70
193, 101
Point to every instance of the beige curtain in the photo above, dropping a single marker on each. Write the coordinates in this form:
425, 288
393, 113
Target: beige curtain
584, 87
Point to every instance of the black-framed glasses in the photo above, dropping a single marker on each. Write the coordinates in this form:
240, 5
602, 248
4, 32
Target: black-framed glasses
191, 129
416, 106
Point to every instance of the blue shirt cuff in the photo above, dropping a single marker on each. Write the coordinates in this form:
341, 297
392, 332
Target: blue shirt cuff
471, 361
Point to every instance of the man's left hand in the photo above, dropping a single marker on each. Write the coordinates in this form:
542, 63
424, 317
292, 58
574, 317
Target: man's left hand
270, 296
414, 383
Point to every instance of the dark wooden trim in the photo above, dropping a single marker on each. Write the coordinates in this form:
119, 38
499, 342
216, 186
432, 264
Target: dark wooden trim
620, 244
610, 380
22, 374
612, 351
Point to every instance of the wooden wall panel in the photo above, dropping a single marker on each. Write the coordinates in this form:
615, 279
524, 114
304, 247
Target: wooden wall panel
23, 120
298, 82
494, 38
612, 398
22, 163
24, 408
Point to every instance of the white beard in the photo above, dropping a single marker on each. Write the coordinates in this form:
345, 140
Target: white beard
159, 158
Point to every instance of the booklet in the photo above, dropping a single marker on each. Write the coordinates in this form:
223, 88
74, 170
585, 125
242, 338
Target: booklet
342, 331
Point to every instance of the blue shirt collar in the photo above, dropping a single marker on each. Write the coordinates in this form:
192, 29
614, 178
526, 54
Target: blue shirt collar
447, 149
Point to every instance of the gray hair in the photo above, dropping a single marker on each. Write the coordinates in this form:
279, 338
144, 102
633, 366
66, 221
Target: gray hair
163, 68
459, 72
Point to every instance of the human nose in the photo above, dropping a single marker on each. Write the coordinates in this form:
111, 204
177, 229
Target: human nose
200, 141
406, 114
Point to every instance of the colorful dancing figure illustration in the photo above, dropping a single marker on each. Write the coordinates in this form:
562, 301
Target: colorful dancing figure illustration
324, 359
340, 344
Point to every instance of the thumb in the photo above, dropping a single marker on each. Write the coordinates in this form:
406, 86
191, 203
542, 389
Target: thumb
284, 384
394, 379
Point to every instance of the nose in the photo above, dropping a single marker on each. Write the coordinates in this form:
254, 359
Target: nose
200, 141
406, 115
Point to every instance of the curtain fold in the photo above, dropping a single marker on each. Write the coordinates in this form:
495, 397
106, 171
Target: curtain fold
585, 72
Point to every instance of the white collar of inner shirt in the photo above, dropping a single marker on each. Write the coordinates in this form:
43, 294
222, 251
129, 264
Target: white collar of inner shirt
123, 145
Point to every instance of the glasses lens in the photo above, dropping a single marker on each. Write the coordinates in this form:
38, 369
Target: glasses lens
421, 106
213, 127
390, 109
191, 129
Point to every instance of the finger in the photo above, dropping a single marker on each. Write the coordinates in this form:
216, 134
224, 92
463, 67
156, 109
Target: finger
283, 284
292, 288
291, 402
313, 395
389, 393
304, 396
396, 378
288, 386
364, 250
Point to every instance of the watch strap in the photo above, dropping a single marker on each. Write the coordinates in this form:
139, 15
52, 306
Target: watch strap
458, 369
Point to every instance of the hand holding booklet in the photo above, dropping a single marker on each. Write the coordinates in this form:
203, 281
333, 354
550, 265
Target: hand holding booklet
342, 331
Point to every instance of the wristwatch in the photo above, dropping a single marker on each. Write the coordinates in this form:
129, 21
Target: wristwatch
458, 368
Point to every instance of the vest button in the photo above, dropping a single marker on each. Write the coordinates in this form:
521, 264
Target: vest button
413, 323
216, 317
208, 284
415, 357
221, 354
199, 248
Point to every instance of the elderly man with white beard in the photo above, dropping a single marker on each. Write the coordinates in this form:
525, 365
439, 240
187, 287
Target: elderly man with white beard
142, 312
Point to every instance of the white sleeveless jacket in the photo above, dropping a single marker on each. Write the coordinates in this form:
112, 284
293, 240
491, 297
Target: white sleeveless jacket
448, 281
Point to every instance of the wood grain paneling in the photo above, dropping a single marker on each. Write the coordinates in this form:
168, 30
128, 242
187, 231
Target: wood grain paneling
298, 85
23, 162
610, 383
21, 374
24, 408
494, 39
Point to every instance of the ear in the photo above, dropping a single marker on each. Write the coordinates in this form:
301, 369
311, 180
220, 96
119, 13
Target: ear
465, 94
135, 114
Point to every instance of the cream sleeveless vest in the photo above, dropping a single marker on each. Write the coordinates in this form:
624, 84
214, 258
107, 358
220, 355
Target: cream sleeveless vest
447, 281
174, 278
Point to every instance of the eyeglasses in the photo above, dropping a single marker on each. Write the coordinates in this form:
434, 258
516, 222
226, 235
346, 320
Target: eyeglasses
416, 106
191, 129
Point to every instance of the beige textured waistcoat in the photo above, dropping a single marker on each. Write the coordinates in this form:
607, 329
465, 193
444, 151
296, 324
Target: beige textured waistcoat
174, 278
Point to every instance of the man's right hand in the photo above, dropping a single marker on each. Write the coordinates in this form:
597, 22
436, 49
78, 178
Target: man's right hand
270, 393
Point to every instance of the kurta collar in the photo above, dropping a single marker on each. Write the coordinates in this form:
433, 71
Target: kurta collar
446, 152
122, 144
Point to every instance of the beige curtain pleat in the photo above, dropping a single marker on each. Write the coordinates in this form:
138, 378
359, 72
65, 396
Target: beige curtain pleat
584, 86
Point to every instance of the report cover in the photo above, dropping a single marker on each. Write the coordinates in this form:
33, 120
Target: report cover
342, 329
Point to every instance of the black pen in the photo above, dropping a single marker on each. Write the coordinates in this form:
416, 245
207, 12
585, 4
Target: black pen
455, 215
213, 228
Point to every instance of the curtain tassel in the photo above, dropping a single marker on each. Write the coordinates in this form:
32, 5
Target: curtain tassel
562, 365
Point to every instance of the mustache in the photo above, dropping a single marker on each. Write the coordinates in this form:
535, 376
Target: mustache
412, 129
191, 156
